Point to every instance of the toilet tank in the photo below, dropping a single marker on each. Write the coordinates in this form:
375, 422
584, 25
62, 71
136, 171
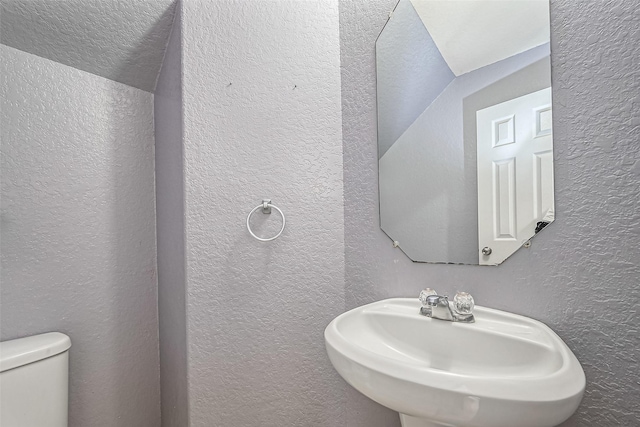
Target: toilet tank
34, 381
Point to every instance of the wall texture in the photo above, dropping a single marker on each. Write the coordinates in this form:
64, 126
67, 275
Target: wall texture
262, 119
170, 234
580, 276
78, 232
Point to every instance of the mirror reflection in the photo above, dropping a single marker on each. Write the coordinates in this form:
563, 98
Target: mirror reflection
464, 128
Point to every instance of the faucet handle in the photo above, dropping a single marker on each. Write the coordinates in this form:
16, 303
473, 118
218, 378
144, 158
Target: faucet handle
424, 294
463, 303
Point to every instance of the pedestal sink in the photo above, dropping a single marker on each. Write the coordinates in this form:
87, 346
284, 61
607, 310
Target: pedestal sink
504, 370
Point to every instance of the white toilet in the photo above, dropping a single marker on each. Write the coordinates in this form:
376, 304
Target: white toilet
34, 381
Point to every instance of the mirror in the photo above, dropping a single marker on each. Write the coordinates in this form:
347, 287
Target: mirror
464, 128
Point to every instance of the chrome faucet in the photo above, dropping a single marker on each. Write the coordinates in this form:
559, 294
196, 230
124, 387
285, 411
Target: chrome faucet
439, 307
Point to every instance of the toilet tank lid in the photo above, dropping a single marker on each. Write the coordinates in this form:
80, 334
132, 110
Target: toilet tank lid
21, 351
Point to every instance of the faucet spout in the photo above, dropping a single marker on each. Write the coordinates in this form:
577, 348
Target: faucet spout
438, 307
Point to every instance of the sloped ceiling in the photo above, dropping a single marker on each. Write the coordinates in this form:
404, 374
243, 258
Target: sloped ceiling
471, 34
116, 39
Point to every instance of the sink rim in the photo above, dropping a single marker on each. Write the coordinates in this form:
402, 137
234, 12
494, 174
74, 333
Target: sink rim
566, 382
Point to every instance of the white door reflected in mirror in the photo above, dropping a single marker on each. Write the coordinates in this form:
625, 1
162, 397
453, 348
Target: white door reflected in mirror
515, 173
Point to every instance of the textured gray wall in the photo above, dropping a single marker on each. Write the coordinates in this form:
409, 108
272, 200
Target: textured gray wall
581, 276
120, 40
262, 119
170, 235
78, 232
411, 72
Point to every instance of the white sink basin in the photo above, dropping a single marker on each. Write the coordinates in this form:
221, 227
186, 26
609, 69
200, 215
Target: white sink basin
504, 370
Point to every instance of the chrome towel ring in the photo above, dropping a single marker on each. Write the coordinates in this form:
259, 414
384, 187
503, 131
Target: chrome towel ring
266, 209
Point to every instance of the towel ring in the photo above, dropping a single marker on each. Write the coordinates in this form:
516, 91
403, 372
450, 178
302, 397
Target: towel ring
266, 209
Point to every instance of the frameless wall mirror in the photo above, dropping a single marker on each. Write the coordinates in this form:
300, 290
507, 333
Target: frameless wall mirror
464, 128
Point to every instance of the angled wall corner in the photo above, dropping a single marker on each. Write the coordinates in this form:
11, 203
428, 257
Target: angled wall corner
120, 40
411, 73
170, 233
